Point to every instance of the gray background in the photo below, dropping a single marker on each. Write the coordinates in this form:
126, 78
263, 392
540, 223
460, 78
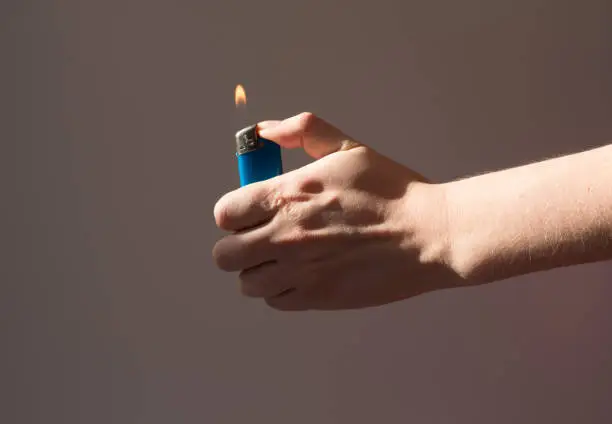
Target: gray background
116, 129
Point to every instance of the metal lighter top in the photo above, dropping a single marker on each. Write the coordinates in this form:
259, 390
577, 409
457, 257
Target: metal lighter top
247, 140
258, 158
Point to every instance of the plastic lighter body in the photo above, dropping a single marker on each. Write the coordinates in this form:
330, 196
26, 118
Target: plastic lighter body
258, 159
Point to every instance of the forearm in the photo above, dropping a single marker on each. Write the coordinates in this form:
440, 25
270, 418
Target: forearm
531, 218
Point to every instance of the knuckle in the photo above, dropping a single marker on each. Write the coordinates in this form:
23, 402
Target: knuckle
294, 213
295, 236
333, 206
332, 198
310, 185
275, 199
307, 120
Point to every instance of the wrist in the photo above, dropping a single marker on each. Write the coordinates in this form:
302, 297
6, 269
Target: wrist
500, 225
516, 221
426, 222
469, 234
453, 234
491, 239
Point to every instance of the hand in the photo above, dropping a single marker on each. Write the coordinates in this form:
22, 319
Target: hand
352, 229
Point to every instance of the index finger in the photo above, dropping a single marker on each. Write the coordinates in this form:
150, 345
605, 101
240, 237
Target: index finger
316, 136
247, 206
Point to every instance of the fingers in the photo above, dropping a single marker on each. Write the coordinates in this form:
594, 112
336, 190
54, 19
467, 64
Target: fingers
245, 250
275, 284
251, 214
257, 203
247, 207
291, 300
265, 280
282, 286
316, 136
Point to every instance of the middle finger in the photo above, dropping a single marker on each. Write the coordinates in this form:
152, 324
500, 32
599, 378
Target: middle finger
245, 249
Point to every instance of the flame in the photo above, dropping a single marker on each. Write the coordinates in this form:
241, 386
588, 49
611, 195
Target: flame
240, 96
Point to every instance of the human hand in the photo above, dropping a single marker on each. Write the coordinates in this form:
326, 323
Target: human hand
350, 230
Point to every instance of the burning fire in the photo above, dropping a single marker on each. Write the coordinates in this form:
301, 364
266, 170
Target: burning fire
240, 96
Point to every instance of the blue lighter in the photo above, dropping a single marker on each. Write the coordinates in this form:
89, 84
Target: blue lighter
258, 159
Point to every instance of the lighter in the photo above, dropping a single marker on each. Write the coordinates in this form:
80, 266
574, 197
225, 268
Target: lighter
259, 159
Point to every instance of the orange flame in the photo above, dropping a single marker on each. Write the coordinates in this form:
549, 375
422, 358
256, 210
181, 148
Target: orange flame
240, 96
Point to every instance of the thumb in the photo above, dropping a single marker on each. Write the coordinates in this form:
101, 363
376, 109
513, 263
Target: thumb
317, 137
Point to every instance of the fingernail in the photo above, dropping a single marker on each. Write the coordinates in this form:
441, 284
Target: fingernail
264, 125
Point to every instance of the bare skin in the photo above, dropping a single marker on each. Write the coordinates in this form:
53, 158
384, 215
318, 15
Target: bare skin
354, 229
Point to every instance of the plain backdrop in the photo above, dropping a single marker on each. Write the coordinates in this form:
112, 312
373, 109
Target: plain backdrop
116, 137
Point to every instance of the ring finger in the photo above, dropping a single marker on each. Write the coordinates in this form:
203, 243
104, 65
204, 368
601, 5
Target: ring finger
265, 280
